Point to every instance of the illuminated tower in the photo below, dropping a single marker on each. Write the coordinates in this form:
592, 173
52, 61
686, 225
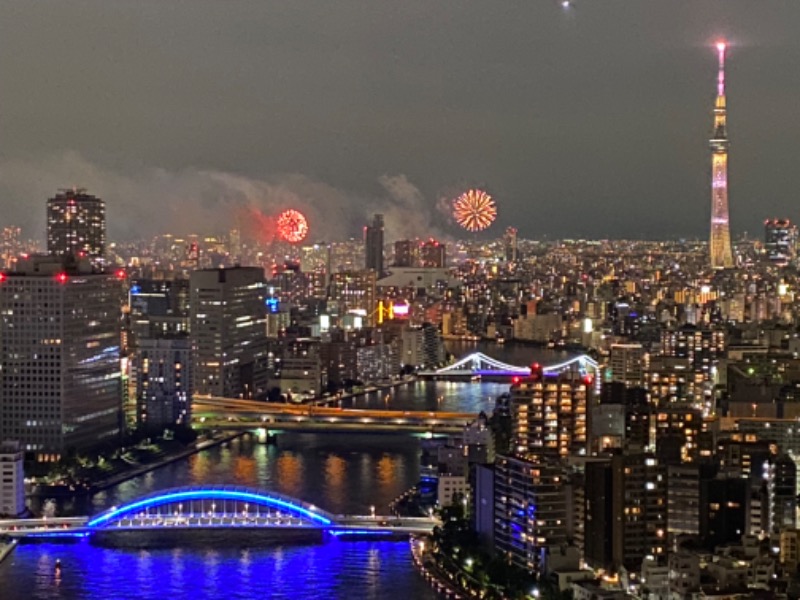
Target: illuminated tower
720, 243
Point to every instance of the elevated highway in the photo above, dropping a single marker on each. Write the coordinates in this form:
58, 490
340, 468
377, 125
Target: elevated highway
236, 414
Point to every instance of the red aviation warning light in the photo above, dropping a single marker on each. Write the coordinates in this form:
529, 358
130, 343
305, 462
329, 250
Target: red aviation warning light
62, 278
588, 380
3, 277
515, 380
120, 274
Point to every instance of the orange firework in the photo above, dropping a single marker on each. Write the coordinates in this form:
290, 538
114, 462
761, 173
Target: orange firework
474, 210
292, 226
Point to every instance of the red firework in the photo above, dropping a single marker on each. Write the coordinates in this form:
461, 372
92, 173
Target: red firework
292, 226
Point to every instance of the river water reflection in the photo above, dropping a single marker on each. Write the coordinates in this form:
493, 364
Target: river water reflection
340, 473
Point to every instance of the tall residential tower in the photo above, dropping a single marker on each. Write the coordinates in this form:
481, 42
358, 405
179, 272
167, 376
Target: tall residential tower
76, 225
720, 243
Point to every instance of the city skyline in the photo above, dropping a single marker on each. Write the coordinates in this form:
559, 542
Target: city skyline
396, 124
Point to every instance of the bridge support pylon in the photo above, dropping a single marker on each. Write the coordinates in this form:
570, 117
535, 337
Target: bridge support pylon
265, 436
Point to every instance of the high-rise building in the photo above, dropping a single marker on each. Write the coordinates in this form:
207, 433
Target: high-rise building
433, 255
228, 331
780, 241
354, 292
548, 414
720, 251
626, 511
60, 387
373, 245
405, 253
76, 225
163, 375
530, 514
627, 364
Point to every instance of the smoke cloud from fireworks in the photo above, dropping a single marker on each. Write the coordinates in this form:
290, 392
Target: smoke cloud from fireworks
154, 200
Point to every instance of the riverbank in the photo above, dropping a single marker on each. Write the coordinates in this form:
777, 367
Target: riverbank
426, 566
137, 470
193, 448
7, 548
369, 389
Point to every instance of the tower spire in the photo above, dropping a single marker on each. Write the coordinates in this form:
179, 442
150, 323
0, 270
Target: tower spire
720, 252
721, 47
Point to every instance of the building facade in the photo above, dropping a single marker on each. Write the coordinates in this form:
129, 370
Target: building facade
60, 386
228, 331
76, 225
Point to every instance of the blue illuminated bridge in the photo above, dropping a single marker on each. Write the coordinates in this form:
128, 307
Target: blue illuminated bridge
478, 364
212, 509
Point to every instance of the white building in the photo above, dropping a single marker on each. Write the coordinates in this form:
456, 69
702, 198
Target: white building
450, 485
12, 480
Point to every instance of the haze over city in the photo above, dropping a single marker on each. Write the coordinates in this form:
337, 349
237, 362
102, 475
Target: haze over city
590, 121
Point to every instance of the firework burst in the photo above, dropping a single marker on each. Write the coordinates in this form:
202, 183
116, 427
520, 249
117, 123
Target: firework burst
292, 226
474, 210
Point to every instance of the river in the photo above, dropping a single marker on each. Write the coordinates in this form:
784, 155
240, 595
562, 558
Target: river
340, 473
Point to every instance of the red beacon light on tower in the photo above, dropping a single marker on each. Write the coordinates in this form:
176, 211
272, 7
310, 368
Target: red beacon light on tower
121, 274
515, 379
62, 278
3, 277
537, 372
588, 379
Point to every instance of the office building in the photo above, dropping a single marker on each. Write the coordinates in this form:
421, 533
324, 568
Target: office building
373, 246
228, 331
76, 225
60, 387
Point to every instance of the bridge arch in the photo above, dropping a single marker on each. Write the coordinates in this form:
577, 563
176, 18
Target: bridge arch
236, 494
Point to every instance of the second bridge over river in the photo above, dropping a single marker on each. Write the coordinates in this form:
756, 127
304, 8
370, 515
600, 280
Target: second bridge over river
235, 414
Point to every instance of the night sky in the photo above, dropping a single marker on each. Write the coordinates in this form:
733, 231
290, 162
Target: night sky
588, 122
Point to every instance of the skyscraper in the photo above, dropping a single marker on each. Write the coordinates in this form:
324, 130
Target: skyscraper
373, 245
719, 247
76, 225
228, 331
60, 386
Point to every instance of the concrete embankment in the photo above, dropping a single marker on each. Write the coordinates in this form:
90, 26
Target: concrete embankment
7, 548
141, 470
